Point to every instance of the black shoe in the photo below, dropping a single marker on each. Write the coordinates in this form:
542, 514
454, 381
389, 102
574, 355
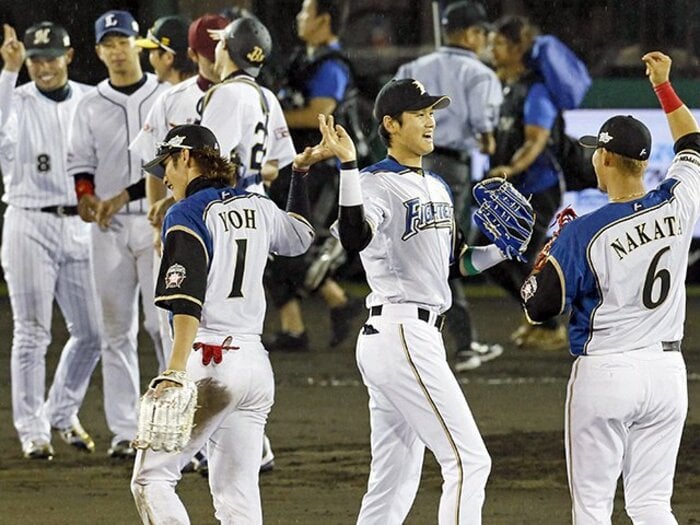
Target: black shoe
122, 450
286, 342
342, 318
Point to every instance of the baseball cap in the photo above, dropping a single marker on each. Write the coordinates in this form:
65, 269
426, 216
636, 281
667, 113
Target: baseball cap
405, 94
169, 33
198, 36
46, 39
461, 15
117, 22
187, 136
624, 135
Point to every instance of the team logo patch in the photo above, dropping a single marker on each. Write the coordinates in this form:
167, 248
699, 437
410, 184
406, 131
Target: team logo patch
175, 142
281, 133
174, 276
420, 87
256, 56
605, 137
41, 37
529, 288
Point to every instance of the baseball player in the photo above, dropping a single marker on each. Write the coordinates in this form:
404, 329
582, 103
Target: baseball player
621, 272
110, 189
166, 42
400, 218
246, 117
216, 242
466, 125
45, 245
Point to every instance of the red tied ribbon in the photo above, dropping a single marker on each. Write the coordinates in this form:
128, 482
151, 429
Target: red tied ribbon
562, 218
214, 352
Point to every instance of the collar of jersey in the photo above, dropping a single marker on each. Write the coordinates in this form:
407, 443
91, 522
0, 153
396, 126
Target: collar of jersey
458, 50
202, 183
239, 73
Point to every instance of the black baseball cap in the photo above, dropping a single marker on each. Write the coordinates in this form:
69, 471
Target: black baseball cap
405, 94
169, 33
188, 136
461, 15
46, 39
624, 135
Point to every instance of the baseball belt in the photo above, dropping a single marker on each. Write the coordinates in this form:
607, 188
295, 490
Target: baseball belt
61, 211
421, 313
671, 346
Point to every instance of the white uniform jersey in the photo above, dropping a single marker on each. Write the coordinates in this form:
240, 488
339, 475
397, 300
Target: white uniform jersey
105, 122
411, 217
473, 87
232, 232
623, 266
32, 144
175, 107
249, 126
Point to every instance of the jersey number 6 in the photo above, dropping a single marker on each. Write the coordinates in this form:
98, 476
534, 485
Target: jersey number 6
652, 276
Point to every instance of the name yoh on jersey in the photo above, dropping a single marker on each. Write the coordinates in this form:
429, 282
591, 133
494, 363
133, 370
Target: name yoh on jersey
641, 235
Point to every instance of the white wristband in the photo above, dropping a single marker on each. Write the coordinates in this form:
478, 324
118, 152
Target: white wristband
484, 257
350, 193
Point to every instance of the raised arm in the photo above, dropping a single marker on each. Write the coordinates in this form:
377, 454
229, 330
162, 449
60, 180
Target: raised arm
680, 120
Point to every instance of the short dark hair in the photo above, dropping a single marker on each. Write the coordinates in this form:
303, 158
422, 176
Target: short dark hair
384, 134
213, 166
336, 10
516, 29
181, 62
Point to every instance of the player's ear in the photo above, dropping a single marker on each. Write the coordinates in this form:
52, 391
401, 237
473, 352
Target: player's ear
390, 124
69, 55
193, 56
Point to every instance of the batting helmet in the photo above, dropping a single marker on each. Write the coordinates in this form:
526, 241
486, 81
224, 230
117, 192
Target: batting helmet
248, 43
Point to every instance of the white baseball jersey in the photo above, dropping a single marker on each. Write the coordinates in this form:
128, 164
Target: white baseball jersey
247, 119
412, 218
32, 158
472, 86
105, 123
174, 107
623, 266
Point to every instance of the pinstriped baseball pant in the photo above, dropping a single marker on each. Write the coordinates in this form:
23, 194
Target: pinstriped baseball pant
416, 402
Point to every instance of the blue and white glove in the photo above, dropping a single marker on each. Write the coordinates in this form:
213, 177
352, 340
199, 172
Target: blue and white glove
505, 216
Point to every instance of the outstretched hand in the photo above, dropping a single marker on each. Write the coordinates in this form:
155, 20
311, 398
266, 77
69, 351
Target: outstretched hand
336, 139
12, 50
311, 155
658, 67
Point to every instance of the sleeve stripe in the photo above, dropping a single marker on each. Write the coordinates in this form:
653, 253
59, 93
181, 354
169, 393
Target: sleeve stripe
194, 234
301, 218
178, 296
562, 281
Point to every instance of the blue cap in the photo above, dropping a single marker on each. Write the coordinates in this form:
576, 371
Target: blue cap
117, 22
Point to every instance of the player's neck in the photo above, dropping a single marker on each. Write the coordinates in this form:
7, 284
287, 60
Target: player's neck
626, 190
126, 78
405, 157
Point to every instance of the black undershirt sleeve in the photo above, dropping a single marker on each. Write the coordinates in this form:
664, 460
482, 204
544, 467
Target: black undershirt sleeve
137, 190
298, 198
182, 279
354, 231
459, 246
90, 177
689, 141
542, 294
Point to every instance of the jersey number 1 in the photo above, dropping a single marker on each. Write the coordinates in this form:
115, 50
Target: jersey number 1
239, 269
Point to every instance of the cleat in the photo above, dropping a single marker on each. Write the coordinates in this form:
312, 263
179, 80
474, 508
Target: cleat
268, 458
546, 340
521, 333
287, 342
121, 450
196, 463
478, 354
38, 449
77, 437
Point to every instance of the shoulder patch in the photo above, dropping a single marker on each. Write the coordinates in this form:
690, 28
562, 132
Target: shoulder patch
175, 275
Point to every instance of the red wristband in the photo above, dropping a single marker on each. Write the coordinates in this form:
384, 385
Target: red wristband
667, 96
84, 187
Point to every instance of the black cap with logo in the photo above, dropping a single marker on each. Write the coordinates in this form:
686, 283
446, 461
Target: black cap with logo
624, 135
405, 94
46, 39
169, 33
461, 15
188, 136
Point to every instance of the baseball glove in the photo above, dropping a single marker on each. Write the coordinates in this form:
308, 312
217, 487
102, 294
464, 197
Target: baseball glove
562, 218
166, 418
504, 216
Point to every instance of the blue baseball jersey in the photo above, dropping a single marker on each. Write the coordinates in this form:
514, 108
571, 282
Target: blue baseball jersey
622, 268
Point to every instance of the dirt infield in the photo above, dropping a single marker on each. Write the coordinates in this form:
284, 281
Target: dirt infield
320, 434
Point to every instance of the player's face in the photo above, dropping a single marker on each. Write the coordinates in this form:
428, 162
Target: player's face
476, 37
308, 22
176, 176
220, 58
161, 62
415, 135
503, 51
119, 53
49, 73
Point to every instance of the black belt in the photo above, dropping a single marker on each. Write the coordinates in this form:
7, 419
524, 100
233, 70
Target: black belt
671, 346
452, 154
61, 211
422, 313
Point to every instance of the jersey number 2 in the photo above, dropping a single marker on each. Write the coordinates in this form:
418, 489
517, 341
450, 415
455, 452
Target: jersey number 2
653, 275
257, 152
239, 269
